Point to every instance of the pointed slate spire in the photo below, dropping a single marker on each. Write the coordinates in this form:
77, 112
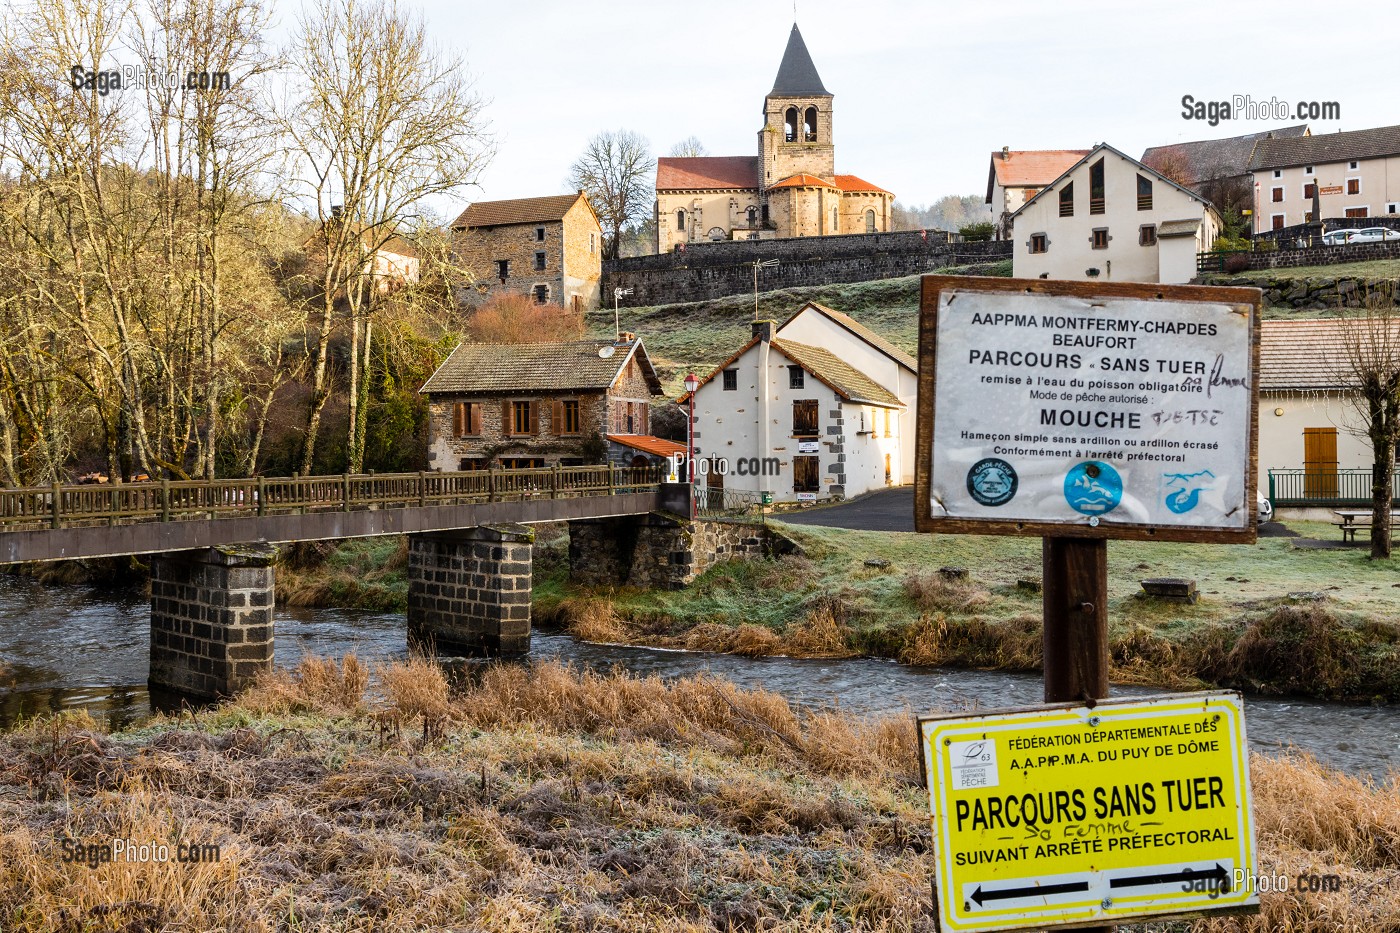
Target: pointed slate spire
797, 76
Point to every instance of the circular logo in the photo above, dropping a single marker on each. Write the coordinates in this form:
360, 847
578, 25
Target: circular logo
1093, 488
991, 481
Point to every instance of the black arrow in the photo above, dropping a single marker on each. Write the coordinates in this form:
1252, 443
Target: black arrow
1217, 873
1005, 894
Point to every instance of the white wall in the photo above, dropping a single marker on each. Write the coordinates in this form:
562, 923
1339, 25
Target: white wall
1281, 436
1070, 251
1380, 191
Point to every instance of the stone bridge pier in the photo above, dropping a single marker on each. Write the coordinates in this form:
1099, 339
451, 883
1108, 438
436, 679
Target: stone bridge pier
469, 590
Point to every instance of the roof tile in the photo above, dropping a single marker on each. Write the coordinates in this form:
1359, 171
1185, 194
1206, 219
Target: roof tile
1208, 159
703, 173
494, 369
516, 211
1374, 143
802, 180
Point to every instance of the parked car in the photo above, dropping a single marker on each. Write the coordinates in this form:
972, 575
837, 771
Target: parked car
1339, 237
1374, 235
1266, 508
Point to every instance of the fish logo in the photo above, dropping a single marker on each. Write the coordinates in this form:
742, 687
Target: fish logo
1093, 488
1183, 490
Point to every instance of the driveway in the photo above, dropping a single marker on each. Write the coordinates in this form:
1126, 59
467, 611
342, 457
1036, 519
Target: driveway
886, 510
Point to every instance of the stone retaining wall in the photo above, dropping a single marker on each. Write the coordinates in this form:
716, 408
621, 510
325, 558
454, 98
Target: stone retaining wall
661, 551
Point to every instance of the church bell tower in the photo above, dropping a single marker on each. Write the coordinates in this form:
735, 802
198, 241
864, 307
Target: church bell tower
797, 120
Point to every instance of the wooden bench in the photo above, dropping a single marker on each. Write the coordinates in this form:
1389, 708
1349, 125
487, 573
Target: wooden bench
1349, 529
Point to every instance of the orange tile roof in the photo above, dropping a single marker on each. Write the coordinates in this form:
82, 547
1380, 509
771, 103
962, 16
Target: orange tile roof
700, 173
1033, 167
802, 180
855, 183
647, 444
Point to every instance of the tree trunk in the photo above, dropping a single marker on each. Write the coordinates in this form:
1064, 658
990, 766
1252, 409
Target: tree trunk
1381, 497
362, 412
319, 391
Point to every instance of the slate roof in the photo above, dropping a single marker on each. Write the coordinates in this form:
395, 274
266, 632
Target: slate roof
802, 180
1304, 356
496, 369
854, 183
797, 75
1374, 143
706, 172
1208, 159
517, 211
1171, 228
859, 330
1030, 168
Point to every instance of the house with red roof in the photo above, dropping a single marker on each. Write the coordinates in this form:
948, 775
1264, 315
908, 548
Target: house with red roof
789, 189
1017, 175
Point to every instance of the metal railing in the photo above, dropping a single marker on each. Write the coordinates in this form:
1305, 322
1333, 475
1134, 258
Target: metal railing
728, 505
59, 506
1320, 487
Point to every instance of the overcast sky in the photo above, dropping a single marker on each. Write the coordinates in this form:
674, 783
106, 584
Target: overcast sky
924, 89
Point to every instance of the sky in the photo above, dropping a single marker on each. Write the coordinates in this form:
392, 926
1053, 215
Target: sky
924, 89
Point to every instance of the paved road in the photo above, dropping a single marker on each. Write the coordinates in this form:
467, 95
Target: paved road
886, 510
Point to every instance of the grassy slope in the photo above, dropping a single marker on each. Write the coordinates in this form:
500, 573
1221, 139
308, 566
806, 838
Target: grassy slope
550, 800
1376, 268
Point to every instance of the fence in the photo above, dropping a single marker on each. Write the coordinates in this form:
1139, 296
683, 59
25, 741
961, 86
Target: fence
1299, 488
59, 506
728, 505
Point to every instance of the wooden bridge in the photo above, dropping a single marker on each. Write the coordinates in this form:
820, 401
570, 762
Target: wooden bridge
214, 546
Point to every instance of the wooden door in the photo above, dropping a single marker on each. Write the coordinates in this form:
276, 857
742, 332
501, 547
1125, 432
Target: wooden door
806, 474
1320, 463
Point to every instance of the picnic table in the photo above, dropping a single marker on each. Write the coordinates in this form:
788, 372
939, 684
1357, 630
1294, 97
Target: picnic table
1354, 520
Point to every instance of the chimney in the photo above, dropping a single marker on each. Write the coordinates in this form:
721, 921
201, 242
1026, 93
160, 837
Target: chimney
1006, 153
763, 330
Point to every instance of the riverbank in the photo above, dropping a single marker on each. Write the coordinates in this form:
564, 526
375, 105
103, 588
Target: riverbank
550, 799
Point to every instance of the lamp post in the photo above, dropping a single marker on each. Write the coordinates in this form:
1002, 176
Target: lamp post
692, 382
617, 296
759, 264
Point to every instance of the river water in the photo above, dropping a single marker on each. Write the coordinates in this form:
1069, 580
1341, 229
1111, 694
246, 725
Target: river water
68, 646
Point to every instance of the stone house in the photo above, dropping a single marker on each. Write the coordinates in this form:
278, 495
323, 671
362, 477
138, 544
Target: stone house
1110, 218
1016, 176
789, 189
550, 248
798, 420
1356, 175
544, 404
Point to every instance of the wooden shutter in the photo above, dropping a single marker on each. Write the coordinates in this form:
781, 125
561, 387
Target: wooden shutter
535, 416
1320, 463
459, 419
556, 418
507, 418
474, 418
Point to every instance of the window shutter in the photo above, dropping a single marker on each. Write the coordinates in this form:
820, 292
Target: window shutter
534, 417
507, 422
556, 418
459, 419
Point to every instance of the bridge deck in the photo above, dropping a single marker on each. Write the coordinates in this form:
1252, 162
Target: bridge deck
65, 522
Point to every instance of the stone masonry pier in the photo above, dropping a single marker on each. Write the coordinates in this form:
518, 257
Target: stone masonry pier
469, 590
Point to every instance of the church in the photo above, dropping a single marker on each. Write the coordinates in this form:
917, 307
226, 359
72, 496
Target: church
790, 189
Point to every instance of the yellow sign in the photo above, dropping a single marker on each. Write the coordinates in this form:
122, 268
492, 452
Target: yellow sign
1068, 815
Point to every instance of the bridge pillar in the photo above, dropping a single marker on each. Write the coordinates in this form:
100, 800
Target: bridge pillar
469, 590
211, 618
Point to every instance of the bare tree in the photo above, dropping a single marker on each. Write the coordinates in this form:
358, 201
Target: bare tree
689, 148
616, 170
383, 122
1369, 360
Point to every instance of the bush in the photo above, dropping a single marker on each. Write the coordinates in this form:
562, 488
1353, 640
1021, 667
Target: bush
510, 318
978, 232
1236, 263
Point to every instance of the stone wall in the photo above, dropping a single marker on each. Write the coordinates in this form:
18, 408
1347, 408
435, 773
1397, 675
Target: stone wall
713, 270
1315, 293
1317, 255
469, 590
661, 551
1284, 234
211, 619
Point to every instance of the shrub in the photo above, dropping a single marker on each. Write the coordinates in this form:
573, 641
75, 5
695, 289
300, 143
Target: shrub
510, 318
978, 232
1236, 263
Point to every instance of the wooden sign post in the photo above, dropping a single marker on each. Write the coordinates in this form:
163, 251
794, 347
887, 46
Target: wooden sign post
1079, 413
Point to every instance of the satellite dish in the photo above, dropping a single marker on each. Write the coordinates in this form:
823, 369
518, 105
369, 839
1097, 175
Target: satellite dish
605, 352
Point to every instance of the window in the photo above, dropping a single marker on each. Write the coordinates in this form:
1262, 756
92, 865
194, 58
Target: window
806, 474
592, 243
1353, 186
1067, 200
1392, 208
1096, 195
797, 379
1277, 221
1278, 173
1352, 166
888, 431
503, 269
1357, 212
1147, 235
539, 234
764, 211
1030, 193
1039, 243
1144, 193
1276, 195
539, 261
466, 419
810, 125
520, 418
1308, 170
566, 417
804, 418
680, 220
869, 221
541, 294
522, 463
790, 125
835, 221
731, 380
472, 464
751, 214
1100, 238
1309, 190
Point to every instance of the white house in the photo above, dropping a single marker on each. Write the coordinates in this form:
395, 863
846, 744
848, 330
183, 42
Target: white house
800, 420
1356, 174
1110, 218
1016, 176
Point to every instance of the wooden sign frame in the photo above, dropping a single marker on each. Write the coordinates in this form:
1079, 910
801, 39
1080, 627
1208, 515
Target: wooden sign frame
1242, 299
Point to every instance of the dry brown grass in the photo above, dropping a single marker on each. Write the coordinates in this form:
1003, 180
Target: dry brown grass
319, 685
1013, 644
933, 592
591, 618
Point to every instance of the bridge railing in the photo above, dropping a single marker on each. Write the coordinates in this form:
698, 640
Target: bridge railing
59, 506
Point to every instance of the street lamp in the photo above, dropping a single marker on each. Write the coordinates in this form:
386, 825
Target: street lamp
759, 264
692, 382
617, 296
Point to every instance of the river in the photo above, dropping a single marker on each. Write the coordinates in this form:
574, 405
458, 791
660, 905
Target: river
77, 647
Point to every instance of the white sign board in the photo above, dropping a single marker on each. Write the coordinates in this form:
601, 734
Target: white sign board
1092, 410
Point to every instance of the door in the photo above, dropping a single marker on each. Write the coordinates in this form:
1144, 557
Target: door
1320, 463
806, 474
714, 486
